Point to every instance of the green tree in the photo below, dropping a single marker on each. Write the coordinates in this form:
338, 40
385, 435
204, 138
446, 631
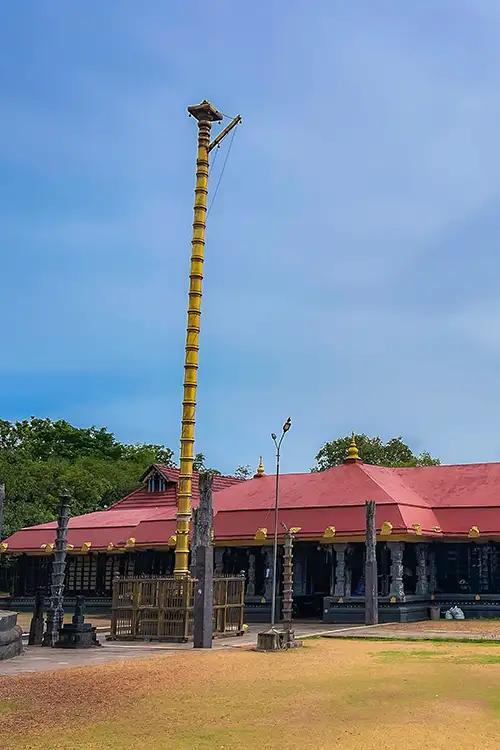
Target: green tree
372, 450
40, 457
199, 465
243, 472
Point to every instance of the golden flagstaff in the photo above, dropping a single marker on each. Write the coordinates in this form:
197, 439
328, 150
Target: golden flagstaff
205, 113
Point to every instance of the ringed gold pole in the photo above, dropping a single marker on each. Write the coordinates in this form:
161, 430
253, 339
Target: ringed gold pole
205, 113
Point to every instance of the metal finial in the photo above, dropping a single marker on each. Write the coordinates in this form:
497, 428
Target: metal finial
353, 453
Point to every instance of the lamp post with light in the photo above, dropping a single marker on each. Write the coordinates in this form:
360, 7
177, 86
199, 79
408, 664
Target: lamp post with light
277, 443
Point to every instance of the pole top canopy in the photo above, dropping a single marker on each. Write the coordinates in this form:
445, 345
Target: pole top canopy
205, 111
352, 452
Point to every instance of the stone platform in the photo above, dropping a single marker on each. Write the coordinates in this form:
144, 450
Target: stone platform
11, 643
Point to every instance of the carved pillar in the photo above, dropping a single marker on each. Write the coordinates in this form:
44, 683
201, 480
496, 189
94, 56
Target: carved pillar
348, 570
340, 582
431, 560
55, 613
251, 575
422, 587
268, 572
219, 560
288, 580
331, 553
484, 579
397, 587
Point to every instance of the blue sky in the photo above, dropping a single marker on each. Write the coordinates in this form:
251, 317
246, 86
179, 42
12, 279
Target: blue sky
352, 268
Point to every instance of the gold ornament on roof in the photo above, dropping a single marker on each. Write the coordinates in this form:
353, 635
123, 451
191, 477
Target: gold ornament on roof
353, 452
260, 469
329, 532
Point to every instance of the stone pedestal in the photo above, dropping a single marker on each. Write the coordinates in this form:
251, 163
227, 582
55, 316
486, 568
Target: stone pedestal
78, 633
11, 634
276, 639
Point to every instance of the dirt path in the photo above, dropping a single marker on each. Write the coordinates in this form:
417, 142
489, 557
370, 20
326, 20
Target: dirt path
342, 694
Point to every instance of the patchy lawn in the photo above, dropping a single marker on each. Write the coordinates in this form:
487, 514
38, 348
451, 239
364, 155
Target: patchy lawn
330, 693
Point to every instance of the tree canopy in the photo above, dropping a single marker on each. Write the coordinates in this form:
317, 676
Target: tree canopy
372, 450
40, 457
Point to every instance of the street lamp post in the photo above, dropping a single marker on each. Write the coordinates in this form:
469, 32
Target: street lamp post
277, 443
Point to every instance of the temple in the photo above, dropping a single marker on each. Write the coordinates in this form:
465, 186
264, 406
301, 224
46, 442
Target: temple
438, 539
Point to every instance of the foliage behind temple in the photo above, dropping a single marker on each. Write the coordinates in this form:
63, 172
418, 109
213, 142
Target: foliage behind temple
39, 457
372, 450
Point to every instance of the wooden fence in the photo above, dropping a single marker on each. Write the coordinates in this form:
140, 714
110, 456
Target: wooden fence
162, 608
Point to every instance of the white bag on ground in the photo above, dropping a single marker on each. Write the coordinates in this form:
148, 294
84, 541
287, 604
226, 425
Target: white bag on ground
454, 613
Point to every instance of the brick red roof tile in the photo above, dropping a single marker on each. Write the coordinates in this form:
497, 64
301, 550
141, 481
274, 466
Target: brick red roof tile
442, 500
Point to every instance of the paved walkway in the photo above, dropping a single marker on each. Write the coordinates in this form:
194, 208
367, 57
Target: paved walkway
416, 632
38, 659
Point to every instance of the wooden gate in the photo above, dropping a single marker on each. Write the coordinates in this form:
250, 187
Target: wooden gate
162, 608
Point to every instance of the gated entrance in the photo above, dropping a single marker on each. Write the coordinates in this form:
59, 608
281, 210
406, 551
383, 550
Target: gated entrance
162, 608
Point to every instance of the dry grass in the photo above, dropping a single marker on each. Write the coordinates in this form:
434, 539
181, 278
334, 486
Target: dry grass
331, 693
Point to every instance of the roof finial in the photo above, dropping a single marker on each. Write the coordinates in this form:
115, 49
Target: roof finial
352, 452
260, 469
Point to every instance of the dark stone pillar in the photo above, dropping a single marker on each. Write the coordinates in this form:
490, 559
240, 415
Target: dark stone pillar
203, 595
331, 555
268, 574
219, 561
431, 559
371, 579
422, 587
36, 626
340, 582
484, 578
397, 588
55, 613
251, 574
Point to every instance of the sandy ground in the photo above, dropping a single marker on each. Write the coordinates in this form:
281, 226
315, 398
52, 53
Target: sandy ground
481, 628
328, 694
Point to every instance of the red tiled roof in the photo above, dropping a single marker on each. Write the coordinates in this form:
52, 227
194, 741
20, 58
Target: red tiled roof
141, 498
148, 517
441, 500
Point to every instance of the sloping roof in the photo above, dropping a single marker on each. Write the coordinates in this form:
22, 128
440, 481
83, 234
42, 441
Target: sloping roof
147, 517
436, 501
141, 498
